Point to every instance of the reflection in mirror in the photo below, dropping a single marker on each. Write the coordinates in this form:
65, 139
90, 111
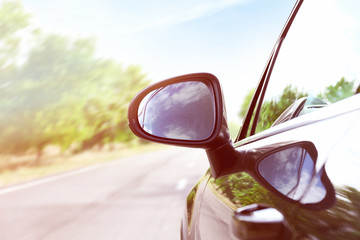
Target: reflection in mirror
184, 110
316, 192
291, 171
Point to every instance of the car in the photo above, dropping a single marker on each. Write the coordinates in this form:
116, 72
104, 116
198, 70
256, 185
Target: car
292, 172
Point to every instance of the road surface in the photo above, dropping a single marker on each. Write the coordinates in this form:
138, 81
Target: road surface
140, 197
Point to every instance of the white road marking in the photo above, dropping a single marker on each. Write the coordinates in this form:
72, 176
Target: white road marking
46, 180
181, 184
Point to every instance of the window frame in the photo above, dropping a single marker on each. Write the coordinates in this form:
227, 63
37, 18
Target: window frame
251, 118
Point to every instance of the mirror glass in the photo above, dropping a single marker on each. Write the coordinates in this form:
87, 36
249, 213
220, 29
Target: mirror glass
184, 111
291, 171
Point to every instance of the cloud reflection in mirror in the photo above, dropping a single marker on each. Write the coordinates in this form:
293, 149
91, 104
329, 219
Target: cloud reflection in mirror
183, 111
291, 171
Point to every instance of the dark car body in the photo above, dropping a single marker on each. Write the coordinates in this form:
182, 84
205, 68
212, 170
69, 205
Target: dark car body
298, 179
212, 204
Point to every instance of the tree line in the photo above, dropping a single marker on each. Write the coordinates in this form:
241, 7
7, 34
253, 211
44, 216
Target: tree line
56, 90
271, 109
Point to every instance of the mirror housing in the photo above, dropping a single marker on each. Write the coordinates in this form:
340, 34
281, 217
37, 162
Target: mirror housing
217, 143
288, 170
218, 135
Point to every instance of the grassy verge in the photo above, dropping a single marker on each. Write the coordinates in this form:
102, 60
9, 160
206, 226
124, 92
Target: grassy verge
58, 164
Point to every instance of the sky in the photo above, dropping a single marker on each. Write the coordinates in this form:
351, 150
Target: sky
231, 39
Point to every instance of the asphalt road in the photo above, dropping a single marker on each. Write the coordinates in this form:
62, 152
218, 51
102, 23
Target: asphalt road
140, 197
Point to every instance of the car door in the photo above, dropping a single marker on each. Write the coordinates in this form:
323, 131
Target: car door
305, 95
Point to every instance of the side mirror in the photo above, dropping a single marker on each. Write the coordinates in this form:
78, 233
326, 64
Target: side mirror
185, 111
289, 171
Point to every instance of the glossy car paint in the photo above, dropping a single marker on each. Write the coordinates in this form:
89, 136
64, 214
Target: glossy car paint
338, 156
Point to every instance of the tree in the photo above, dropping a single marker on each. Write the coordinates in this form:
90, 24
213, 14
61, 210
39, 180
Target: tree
62, 93
13, 19
272, 109
342, 89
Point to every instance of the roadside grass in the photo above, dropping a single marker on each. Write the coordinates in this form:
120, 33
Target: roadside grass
57, 164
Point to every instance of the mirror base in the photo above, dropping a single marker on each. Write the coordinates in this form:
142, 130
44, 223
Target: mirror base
225, 160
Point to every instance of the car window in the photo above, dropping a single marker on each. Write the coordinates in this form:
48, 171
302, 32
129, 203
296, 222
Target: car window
318, 63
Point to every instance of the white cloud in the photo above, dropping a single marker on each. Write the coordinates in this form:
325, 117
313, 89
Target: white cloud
179, 132
169, 14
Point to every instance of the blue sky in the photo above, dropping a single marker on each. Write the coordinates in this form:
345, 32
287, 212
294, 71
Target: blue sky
230, 38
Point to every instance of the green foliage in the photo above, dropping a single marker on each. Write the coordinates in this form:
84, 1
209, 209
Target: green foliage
241, 189
62, 93
273, 108
246, 103
342, 89
13, 19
